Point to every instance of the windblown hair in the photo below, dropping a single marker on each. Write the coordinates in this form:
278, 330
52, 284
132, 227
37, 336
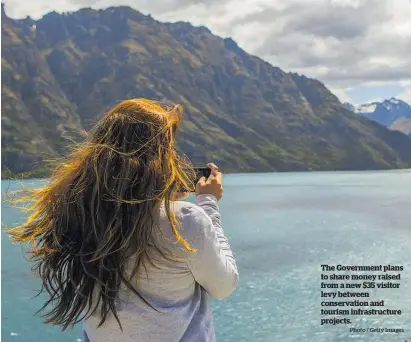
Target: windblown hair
99, 208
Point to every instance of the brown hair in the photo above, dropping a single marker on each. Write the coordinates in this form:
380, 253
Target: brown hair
100, 204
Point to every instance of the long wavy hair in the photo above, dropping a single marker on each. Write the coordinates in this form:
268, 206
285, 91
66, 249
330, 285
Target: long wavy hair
99, 208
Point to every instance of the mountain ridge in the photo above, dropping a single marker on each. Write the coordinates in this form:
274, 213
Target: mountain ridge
245, 114
392, 113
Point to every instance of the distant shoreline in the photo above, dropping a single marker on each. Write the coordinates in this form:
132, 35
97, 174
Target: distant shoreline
252, 172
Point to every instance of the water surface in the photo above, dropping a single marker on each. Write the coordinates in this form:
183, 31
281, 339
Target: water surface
281, 227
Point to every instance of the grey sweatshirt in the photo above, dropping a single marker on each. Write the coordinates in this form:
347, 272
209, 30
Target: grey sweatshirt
178, 290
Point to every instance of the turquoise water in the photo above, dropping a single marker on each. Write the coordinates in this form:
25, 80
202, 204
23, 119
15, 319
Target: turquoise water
282, 227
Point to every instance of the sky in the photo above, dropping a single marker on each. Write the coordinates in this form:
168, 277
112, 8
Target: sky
360, 49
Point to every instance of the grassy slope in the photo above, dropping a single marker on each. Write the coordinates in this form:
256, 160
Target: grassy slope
240, 111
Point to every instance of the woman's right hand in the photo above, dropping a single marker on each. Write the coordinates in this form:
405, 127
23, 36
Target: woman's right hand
211, 185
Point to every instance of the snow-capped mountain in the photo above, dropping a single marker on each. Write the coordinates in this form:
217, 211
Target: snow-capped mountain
392, 113
350, 106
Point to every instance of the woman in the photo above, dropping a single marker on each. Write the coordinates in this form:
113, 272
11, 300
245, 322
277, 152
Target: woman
114, 246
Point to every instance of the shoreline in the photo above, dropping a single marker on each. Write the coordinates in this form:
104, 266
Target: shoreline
400, 170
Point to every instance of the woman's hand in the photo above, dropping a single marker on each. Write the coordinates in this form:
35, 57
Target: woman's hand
211, 185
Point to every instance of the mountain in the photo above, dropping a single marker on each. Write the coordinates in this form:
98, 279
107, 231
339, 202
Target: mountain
349, 106
403, 125
62, 72
392, 113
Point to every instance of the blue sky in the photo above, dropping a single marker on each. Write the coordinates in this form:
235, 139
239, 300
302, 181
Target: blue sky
360, 49
369, 93
364, 93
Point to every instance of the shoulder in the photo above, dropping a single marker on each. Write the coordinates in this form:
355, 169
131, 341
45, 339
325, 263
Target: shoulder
189, 213
193, 220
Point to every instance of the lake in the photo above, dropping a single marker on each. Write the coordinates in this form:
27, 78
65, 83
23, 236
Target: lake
282, 227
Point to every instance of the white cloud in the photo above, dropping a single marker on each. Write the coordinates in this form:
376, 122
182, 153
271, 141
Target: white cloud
375, 99
342, 95
344, 43
405, 95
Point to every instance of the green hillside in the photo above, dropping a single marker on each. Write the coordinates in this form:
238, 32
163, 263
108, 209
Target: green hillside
62, 72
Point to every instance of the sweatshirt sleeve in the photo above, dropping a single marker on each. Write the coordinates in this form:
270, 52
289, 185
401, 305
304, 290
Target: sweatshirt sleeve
212, 265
